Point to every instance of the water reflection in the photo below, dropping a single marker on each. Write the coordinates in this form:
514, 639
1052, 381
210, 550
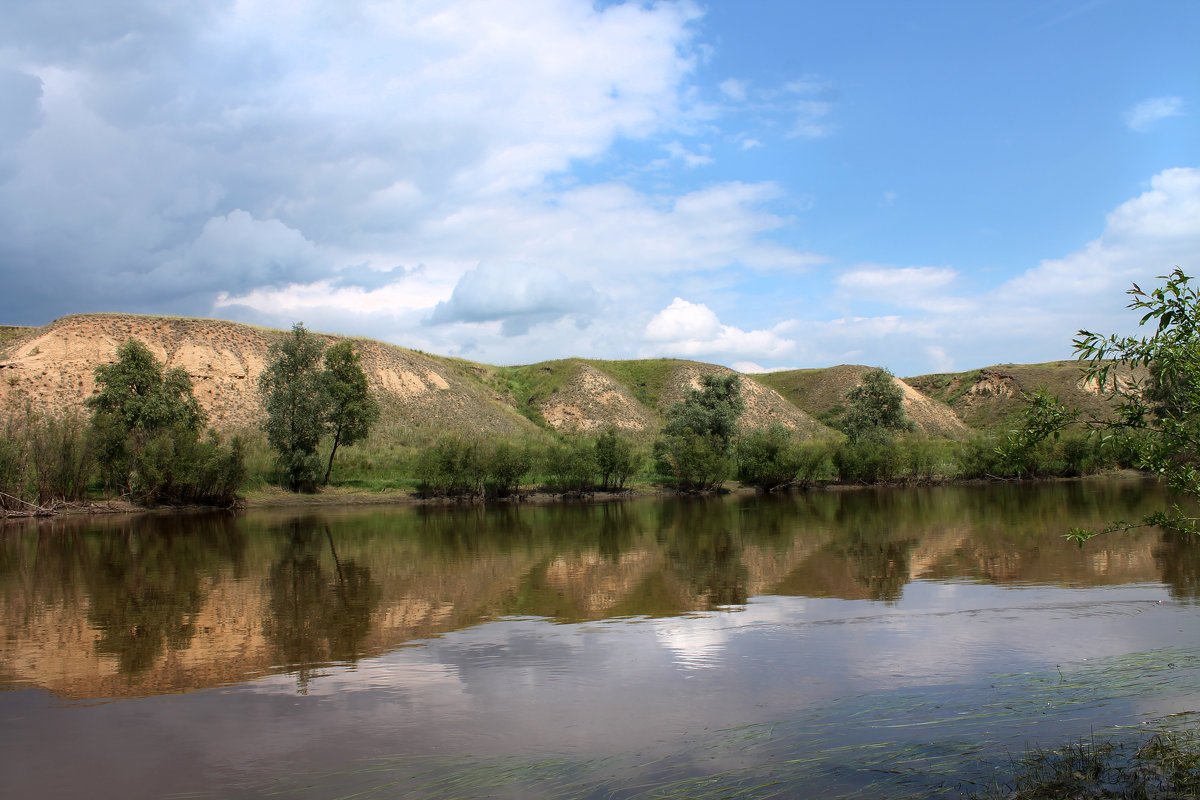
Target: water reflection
122, 607
316, 615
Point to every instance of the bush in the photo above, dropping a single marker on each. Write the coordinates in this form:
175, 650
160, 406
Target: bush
452, 466
179, 469
692, 461
505, 467
43, 459
868, 460
570, 466
616, 460
768, 458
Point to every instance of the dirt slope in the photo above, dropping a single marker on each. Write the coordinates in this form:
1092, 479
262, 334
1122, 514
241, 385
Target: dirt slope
53, 368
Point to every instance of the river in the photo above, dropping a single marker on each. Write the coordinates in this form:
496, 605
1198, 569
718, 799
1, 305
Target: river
874, 643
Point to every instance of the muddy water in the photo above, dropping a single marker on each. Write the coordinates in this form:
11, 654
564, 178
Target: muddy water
856, 644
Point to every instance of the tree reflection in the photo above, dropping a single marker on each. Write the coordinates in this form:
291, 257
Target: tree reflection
1178, 556
317, 615
147, 583
704, 552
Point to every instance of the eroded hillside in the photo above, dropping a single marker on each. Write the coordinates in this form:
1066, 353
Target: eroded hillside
994, 397
53, 369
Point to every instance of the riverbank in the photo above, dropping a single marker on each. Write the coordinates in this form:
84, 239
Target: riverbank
273, 497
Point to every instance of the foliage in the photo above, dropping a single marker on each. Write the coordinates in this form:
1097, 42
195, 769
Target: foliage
711, 410
870, 459
570, 465
768, 458
505, 467
460, 467
135, 403
1160, 425
616, 461
295, 398
695, 448
147, 424
874, 407
352, 410
43, 459
693, 461
452, 466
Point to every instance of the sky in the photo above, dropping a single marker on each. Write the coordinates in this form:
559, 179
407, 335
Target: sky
765, 184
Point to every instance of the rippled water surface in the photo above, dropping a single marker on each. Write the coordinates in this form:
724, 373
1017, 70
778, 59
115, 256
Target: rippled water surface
844, 644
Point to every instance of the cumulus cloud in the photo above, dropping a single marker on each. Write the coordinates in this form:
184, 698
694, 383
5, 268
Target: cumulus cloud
920, 325
518, 296
1147, 114
693, 329
365, 133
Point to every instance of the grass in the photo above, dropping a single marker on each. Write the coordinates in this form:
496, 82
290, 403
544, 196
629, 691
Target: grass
1165, 766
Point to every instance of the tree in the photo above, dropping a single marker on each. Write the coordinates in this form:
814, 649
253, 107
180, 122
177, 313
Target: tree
694, 449
295, 398
147, 425
352, 410
136, 402
1159, 418
711, 410
875, 407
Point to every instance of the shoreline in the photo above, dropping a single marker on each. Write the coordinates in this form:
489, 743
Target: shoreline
275, 498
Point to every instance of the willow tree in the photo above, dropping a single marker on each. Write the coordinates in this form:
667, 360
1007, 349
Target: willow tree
351, 410
295, 399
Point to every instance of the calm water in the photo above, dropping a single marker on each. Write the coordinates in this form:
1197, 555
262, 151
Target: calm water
856, 644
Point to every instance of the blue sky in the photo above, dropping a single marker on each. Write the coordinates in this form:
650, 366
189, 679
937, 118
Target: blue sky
925, 186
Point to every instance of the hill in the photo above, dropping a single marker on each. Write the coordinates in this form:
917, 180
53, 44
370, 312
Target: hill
822, 393
993, 397
53, 369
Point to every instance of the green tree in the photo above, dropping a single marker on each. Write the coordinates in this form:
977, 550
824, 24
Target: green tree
135, 403
352, 410
295, 397
711, 410
875, 407
1159, 419
695, 448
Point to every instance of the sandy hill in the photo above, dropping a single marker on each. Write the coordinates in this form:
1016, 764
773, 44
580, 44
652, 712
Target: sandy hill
53, 368
822, 393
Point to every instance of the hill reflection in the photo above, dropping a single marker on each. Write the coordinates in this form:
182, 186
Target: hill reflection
158, 604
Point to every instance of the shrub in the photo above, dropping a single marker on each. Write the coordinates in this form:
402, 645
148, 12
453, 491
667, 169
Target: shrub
570, 466
768, 458
868, 460
616, 460
692, 461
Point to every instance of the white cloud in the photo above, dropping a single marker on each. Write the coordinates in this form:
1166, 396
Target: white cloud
904, 287
368, 132
1147, 114
519, 296
694, 330
733, 89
